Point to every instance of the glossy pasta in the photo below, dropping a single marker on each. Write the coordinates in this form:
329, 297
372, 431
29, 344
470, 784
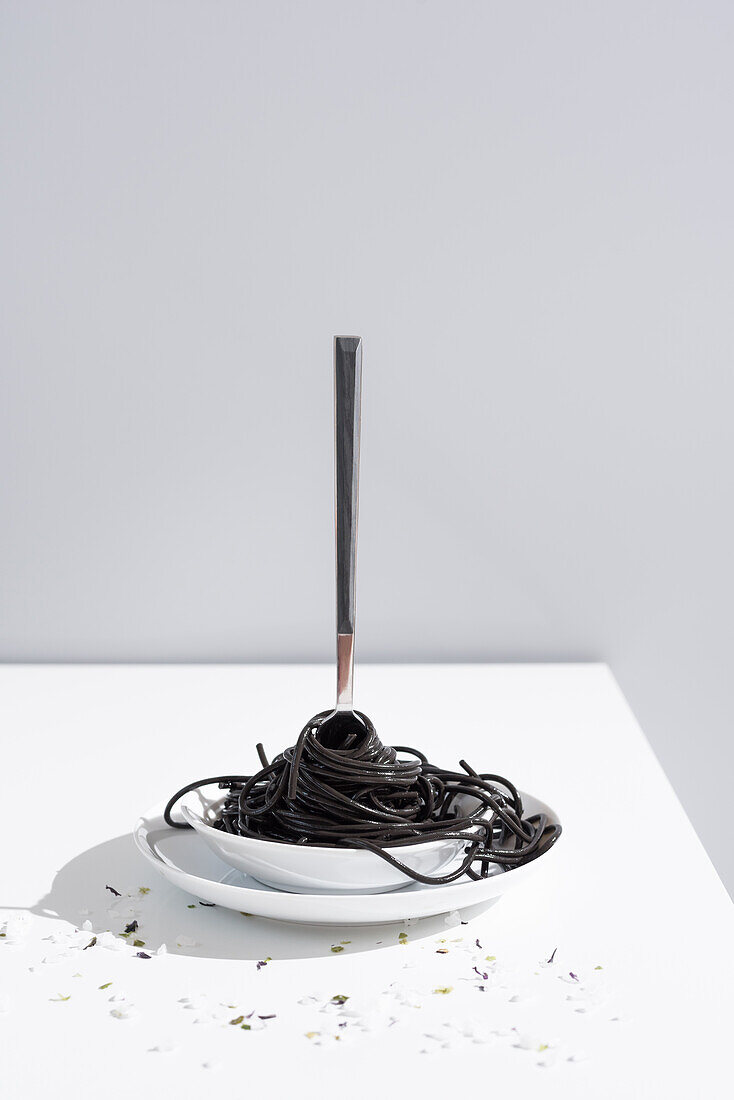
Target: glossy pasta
363, 794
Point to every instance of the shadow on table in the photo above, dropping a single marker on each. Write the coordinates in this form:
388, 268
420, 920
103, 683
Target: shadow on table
166, 914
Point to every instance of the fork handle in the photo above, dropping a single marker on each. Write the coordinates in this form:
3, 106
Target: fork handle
347, 415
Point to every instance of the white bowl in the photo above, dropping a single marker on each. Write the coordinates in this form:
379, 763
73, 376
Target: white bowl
311, 869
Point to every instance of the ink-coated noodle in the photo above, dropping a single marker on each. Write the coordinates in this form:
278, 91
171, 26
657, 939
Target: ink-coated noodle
367, 795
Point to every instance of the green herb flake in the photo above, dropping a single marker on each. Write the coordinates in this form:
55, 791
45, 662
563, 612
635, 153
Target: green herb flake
191, 907
598, 968
542, 1047
124, 935
2, 935
490, 958
443, 989
105, 986
336, 948
243, 914
246, 1027
143, 890
61, 997
403, 938
339, 999
237, 1020
345, 941
138, 943
76, 975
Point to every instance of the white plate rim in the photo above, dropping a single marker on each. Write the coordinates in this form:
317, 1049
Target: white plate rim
411, 902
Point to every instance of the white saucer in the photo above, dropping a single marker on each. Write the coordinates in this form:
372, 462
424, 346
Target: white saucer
183, 858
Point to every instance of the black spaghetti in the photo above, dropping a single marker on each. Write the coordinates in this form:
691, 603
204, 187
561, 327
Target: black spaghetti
362, 794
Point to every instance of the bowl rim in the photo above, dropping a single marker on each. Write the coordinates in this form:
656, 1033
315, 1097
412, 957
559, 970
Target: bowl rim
197, 822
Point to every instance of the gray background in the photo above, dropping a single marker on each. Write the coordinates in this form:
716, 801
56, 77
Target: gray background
524, 209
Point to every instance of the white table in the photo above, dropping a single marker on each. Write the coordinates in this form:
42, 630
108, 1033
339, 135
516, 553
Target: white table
631, 892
